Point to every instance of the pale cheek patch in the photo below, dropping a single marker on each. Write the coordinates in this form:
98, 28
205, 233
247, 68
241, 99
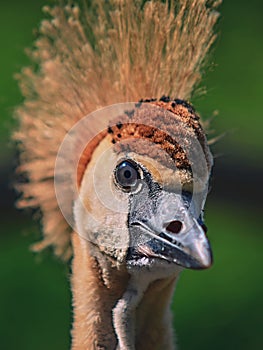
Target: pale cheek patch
101, 210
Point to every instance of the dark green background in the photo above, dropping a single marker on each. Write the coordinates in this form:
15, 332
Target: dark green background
220, 308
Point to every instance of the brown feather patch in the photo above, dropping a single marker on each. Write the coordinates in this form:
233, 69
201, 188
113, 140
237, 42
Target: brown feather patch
138, 125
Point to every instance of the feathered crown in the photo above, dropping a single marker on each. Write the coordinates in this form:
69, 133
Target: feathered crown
93, 55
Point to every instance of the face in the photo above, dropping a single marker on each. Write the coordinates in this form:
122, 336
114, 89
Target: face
137, 210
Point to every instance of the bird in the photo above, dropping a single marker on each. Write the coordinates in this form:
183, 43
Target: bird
119, 169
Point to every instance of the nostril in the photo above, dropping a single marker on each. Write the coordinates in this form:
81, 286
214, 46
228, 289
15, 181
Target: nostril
174, 226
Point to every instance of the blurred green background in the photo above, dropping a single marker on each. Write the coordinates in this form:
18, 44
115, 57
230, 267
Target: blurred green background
214, 309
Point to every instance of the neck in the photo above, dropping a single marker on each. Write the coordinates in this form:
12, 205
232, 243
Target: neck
116, 310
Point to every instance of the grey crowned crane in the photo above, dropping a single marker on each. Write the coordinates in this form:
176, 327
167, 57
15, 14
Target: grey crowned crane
150, 156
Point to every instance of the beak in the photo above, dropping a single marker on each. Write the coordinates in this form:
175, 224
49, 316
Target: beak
172, 234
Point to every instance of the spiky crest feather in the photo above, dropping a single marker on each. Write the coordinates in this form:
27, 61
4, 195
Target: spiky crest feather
91, 56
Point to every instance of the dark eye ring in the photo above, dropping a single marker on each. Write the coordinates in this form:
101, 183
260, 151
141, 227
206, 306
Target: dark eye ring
127, 175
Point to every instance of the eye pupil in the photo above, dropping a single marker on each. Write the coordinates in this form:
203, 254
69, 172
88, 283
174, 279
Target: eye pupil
127, 175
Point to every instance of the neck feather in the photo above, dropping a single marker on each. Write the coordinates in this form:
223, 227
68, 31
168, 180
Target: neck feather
99, 291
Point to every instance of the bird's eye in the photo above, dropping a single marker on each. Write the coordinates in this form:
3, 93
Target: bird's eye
127, 175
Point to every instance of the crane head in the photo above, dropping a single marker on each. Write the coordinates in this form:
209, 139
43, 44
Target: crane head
142, 194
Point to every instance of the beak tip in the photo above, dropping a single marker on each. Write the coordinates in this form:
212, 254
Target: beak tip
206, 260
202, 256
207, 264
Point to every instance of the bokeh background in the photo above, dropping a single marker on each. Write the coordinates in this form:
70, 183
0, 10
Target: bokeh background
220, 308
